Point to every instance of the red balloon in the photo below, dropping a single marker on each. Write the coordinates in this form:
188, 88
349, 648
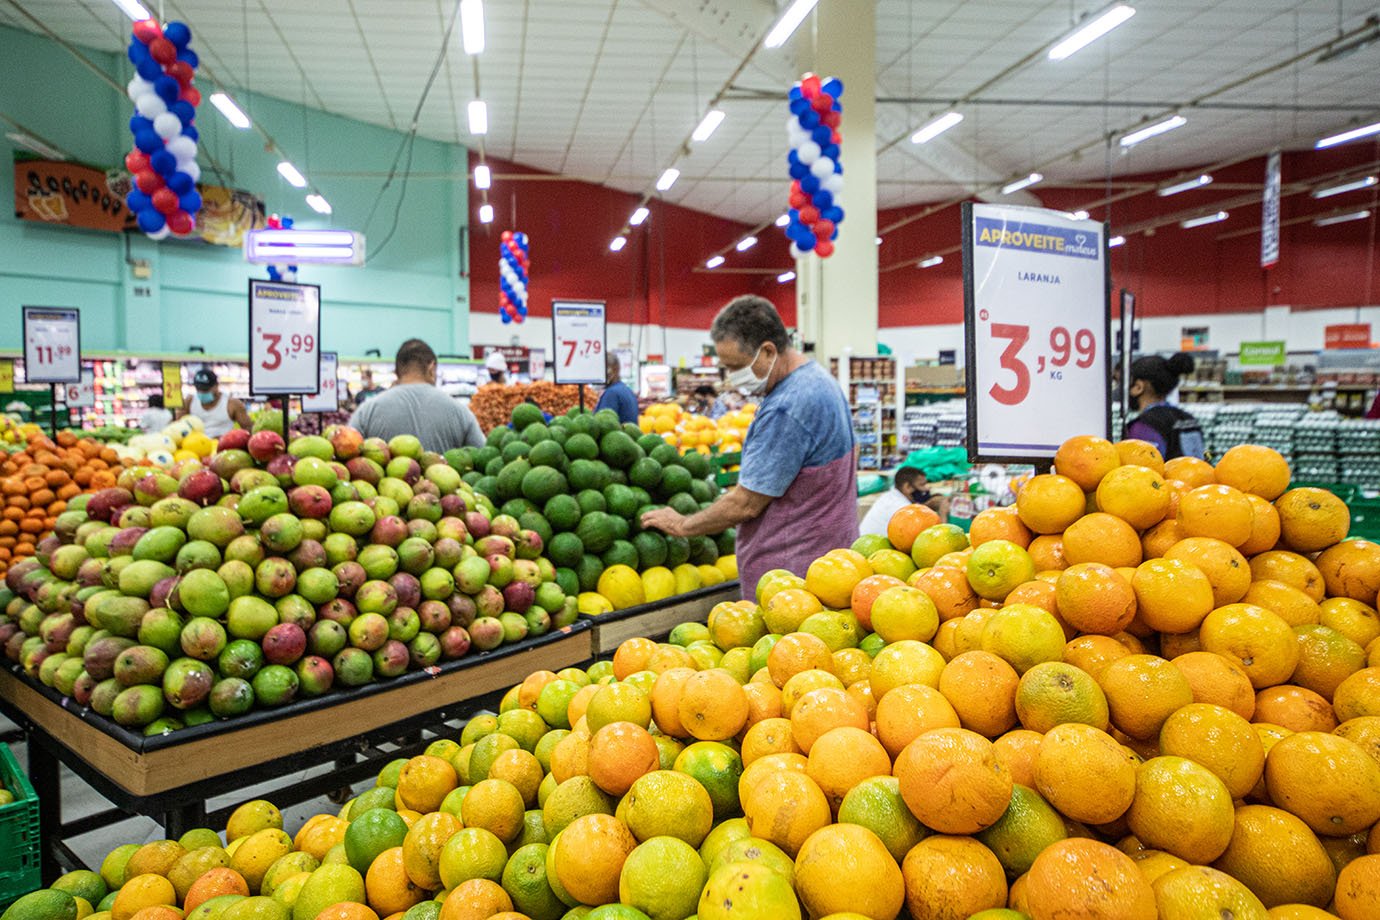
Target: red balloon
181, 71
824, 248
831, 118
148, 181
191, 94
136, 161
809, 214
824, 228
822, 103
181, 223
798, 198
165, 201
506, 235
274, 222
147, 30
836, 137
162, 51
809, 85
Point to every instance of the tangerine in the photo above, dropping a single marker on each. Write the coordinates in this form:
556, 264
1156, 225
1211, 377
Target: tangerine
1049, 503
1311, 519
1136, 494
1256, 469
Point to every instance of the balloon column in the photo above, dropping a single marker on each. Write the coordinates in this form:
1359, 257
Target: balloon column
816, 171
512, 277
164, 199
287, 272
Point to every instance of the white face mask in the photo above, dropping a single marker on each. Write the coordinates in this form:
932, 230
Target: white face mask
745, 380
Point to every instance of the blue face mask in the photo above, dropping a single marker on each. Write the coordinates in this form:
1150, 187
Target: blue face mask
205, 398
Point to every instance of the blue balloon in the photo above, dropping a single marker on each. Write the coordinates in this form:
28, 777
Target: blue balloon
148, 141
824, 199
809, 120
503, 314
830, 150
799, 170
182, 109
138, 51
190, 202
833, 86
838, 167
821, 134
839, 219
178, 33
809, 183
150, 221
149, 69
139, 123
163, 163
799, 106
806, 242
792, 156
191, 131
187, 55
180, 183
796, 93
287, 223
137, 200
167, 88
835, 214
835, 235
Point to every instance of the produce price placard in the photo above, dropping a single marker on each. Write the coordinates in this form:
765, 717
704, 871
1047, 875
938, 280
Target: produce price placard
1037, 323
284, 338
172, 385
577, 327
328, 399
81, 395
52, 345
6, 375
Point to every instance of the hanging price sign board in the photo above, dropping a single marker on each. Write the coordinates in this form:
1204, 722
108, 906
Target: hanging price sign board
1037, 327
284, 338
578, 329
52, 345
172, 385
328, 398
81, 395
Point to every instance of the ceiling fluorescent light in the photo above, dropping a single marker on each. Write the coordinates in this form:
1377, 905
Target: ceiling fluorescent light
483, 177
1019, 184
1078, 215
785, 276
618, 242
790, 21
1091, 30
290, 173
233, 113
486, 213
1116, 241
879, 241
746, 243
1355, 186
319, 204
783, 220
935, 127
930, 262
472, 25
1149, 131
638, 216
277, 246
29, 142
133, 9
1341, 218
714, 262
1187, 185
712, 119
1345, 136
1204, 220
479, 117
667, 179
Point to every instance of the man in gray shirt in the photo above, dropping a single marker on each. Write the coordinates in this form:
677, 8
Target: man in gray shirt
414, 405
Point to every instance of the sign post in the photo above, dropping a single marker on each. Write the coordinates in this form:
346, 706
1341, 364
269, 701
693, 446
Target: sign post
1037, 324
327, 398
1128, 346
579, 339
52, 350
284, 341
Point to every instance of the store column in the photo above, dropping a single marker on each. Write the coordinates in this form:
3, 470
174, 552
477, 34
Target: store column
836, 298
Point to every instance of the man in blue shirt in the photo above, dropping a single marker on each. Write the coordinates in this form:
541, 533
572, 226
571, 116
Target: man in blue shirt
617, 395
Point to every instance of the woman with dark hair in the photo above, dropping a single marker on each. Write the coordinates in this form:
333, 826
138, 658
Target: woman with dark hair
1175, 432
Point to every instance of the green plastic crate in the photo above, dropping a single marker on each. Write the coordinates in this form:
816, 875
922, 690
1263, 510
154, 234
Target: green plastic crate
1365, 518
19, 838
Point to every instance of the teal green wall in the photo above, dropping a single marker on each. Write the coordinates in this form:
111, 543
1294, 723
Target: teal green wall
197, 293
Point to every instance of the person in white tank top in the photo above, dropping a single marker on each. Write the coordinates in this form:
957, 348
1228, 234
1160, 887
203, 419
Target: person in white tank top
218, 413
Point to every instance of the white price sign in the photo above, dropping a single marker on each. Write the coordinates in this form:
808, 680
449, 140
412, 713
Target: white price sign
81, 395
328, 398
1037, 324
578, 329
52, 345
284, 338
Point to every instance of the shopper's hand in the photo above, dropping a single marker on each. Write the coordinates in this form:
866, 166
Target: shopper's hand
667, 520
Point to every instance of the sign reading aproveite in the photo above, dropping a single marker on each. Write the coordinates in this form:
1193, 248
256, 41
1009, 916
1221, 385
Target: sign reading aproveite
81, 395
1269, 213
1347, 335
1271, 354
284, 338
1037, 326
52, 345
577, 327
328, 398
172, 385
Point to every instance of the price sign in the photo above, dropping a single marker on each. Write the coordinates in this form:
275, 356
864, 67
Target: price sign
81, 395
1037, 327
578, 329
52, 345
328, 399
284, 338
6, 375
536, 364
172, 385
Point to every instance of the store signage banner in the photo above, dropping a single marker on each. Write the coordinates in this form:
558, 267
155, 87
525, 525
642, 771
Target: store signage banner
1269, 217
172, 385
52, 345
328, 399
1263, 353
1347, 335
284, 338
577, 329
1037, 328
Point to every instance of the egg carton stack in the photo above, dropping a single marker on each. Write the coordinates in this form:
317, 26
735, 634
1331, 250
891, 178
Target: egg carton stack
1315, 456
1277, 427
951, 429
1358, 450
921, 424
1224, 426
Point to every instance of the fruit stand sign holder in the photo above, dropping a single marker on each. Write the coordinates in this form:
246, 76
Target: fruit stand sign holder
284, 340
52, 350
579, 342
1128, 342
327, 398
1037, 324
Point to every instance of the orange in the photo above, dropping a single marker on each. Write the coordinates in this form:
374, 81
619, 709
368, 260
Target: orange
425, 782
821, 710
786, 808
141, 891
864, 595
763, 767
1290, 568
1191, 471
852, 665
1181, 807
802, 684
948, 587
841, 758
1328, 781
1018, 749
1093, 598
531, 688
1296, 708
1225, 568
1351, 569
907, 524
789, 607
1087, 880
495, 806
1156, 541
876, 888
475, 899
909, 711
903, 612
832, 577
981, 688
589, 855
1253, 468
1201, 891
619, 753
1040, 592
1047, 552
1135, 452
1277, 857
1104, 538
1217, 511
1086, 459
1218, 680
1142, 691
764, 700
422, 847
769, 736
522, 769
212, 884
1288, 602
1048, 503
952, 877
1054, 693
1093, 653
1264, 527
731, 624
997, 567
1023, 635
665, 700
388, 887
1001, 523
1363, 731
1218, 739
351, 910
934, 543
1356, 620
1358, 695
795, 653
632, 655
1311, 519
1358, 889
952, 780
1254, 638
570, 757
713, 706
905, 662
1135, 494
1084, 773
1172, 595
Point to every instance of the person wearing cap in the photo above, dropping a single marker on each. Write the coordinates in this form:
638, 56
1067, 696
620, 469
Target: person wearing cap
497, 366
415, 405
218, 413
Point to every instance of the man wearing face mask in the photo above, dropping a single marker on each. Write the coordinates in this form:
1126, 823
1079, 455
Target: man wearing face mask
218, 412
796, 497
909, 486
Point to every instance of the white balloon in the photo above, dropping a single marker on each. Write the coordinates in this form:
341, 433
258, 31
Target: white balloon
822, 168
167, 125
833, 182
796, 252
796, 134
150, 105
191, 169
809, 153
181, 146
138, 87
160, 233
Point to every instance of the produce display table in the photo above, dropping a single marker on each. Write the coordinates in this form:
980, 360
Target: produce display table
654, 621
170, 777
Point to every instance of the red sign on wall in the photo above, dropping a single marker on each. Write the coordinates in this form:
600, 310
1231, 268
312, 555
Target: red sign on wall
1347, 335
